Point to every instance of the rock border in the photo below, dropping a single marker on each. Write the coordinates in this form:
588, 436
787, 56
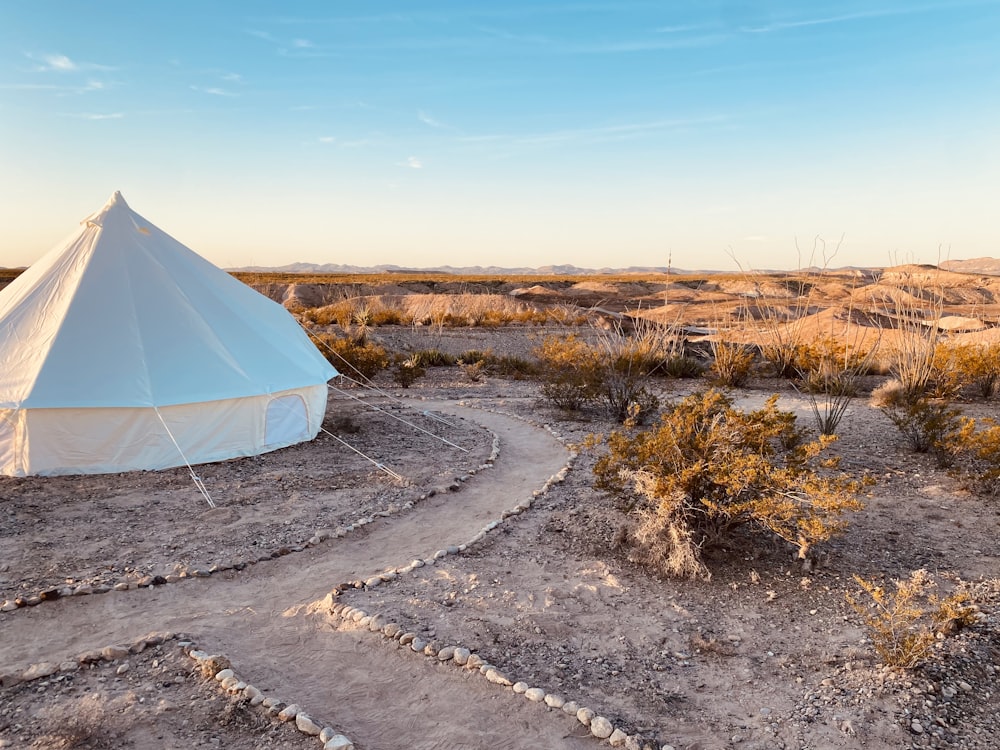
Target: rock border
214, 666
318, 537
600, 727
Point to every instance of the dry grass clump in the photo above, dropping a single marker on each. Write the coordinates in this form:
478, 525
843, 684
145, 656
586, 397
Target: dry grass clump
904, 624
707, 469
353, 356
732, 362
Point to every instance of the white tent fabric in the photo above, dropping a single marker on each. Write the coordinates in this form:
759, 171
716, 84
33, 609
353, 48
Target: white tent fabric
122, 349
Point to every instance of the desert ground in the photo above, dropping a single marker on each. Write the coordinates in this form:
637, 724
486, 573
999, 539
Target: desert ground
471, 522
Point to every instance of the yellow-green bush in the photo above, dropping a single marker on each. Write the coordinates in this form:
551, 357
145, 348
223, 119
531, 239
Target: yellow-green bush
352, 356
732, 363
905, 623
708, 468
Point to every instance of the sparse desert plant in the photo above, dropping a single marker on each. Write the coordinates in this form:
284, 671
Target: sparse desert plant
929, 425
732, 362
783, 318
904, 623
352, 355
707, 469
978, 441
629, 358
511, 366
407, 371
683, 366
572, 371
830, 372
434, 358
957, 366
473, 370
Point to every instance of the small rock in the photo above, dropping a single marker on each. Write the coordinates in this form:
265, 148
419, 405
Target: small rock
289, 712
446, 653
537, 695
916, 727
307, 725
555, 701
44, 669
520, 687
966, 687
497, 678
617, 737
570, 707
327, 734
418, 644
250, 692
585, 716
601, 728
111, 653
475, 661
338, 742
224, 674
406, 638
391, 630
122, 668
461, 656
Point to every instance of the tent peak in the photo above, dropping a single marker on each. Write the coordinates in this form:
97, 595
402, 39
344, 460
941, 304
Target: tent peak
115, 203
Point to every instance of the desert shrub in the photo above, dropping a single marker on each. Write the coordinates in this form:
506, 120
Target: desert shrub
682, 366
904, 624
707, 469
829, 373
732, 363
571, 370
957, 366
627, 399
434, 358
352, 355
512, 367
474, 370
929, 425
388, 316
407, 371
338, 313
911, 360
979, 444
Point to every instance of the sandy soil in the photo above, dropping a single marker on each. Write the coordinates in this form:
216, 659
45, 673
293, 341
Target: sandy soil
762, 656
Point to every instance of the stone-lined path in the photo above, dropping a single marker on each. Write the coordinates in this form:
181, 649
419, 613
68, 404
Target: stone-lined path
260, 618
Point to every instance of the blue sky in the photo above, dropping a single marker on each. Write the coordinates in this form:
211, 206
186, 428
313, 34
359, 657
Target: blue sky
602, 134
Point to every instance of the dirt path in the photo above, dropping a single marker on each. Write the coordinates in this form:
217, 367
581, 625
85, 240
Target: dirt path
260, 618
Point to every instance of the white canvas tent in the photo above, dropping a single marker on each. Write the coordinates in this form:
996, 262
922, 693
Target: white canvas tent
122, 349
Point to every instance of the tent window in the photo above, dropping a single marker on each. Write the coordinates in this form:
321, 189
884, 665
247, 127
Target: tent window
287, 422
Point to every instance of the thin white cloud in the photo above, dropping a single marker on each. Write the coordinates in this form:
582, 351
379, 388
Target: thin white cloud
97, 116
62, 64
214, 91
781, 25
413, 163
59, 62
232, 77
433, 122
327, 139
302, 44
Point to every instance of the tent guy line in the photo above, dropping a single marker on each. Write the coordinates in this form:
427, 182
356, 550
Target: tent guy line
397, 418
194, 477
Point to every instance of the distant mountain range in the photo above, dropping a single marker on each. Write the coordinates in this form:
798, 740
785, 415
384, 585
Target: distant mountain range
560, 270
985, 266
